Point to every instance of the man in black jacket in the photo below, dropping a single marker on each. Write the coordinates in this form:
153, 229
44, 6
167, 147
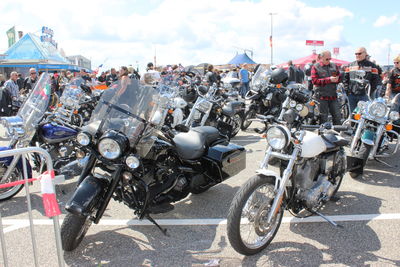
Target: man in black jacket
355, 90
30, 81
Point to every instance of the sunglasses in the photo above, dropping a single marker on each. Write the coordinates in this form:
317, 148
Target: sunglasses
328, 58
33, 73
357, 54
396, 62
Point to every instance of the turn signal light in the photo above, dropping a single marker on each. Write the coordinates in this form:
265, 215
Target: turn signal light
312, 103
264, 135
170, 111
75, 111
357, 116
59, 105
278, 85
389, 127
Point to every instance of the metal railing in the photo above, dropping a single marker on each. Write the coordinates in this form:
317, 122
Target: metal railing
20, 153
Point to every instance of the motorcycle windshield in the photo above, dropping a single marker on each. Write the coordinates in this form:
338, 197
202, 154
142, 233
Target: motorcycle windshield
395, 103
133, 109
32, 111
72, 94
261, 76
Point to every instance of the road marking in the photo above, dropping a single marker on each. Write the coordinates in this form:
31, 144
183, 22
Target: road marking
21, 223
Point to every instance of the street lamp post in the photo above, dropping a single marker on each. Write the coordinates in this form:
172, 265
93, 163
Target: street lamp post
270, 39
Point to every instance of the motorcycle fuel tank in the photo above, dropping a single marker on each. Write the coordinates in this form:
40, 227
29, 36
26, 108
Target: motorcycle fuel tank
312, 145
53, 133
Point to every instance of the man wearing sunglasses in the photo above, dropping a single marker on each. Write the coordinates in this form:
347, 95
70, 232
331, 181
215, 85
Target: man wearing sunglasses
325, 76
356, 91
393, 84
30, 81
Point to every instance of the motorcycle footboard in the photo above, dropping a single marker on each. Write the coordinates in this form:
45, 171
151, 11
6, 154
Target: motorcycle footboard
355, 165
86, 196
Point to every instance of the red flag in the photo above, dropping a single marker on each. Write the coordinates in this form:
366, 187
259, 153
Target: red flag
270, 41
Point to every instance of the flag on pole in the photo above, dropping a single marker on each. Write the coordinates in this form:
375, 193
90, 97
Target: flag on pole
11, 36
270, 41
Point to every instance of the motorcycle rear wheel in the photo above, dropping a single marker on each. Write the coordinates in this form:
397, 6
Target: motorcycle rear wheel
246, 119
73, 230
16, 175
248, 211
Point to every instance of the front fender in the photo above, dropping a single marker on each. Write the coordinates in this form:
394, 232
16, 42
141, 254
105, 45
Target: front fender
7, 161
270, 173
86, 196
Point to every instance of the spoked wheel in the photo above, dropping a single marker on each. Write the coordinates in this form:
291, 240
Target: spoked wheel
73, 230
16, 175
236, 123
246, 119
247, 227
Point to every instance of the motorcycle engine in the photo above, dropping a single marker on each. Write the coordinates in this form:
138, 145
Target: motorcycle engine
313, 178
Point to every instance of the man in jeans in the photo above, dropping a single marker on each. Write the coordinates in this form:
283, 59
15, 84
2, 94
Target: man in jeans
244, 80
325, 76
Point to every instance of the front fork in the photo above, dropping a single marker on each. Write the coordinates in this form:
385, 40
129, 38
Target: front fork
287, 173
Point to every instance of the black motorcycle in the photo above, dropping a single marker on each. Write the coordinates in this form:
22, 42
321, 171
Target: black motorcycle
136, 160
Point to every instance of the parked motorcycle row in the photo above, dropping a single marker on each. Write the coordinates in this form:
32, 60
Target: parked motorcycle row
150, 145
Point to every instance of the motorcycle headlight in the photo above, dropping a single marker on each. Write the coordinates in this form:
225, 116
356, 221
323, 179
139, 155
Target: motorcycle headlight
109, 148
278, 137
83, 139
394, 115
299, 107
377, 109
292, 103
132, 162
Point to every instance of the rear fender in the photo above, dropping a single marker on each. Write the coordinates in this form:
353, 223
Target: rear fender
86, 196
270, 173
7, 161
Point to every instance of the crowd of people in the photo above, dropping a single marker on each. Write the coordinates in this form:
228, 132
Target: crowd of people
321, 75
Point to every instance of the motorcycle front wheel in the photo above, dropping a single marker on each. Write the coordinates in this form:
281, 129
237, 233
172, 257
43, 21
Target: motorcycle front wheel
250, 114
248, 230
73, 230
16, 175
363, 154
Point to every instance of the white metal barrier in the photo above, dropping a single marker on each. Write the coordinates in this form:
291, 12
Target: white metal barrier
50, 204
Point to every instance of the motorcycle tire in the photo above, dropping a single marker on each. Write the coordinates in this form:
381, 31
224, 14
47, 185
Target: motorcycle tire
363, 154
246, 119
248, 192
73, 230
236, 121
16, 175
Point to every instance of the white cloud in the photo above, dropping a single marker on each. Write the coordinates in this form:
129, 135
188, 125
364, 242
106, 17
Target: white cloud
385, 20
180, 31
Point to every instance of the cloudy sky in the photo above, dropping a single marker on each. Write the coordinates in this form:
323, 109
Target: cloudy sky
124, 32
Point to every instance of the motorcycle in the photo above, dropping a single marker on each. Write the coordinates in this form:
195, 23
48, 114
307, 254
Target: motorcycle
373, 126
263, 98
138, 161
19, 131
312, 166
215, 109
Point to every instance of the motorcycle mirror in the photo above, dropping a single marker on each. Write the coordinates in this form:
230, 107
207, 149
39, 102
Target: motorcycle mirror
182, 128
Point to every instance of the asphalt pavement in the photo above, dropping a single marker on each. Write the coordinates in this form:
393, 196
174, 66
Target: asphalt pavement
368, 210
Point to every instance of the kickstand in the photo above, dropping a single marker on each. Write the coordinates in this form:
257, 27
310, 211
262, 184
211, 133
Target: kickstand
327, 219
384, 163
164, 231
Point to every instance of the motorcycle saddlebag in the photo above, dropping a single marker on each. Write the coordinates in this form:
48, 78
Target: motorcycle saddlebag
230, 160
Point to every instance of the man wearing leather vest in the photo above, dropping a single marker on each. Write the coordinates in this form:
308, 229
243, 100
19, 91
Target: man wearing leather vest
355, 90
325, 77
393, 84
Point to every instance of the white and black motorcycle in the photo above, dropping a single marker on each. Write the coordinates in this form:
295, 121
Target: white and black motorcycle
312, 166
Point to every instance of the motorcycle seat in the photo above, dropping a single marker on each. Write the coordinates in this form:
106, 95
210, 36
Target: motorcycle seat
193, 144
333, 140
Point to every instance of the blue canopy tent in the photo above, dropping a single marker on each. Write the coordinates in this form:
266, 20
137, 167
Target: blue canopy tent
31, 52
241, 59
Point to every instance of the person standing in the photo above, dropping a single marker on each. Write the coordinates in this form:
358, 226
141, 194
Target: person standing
11, 85
291, 71
30, 81
20, 81
307, 72
112, 77
211, 76
393, 82
356, 91
244, 77
325, 77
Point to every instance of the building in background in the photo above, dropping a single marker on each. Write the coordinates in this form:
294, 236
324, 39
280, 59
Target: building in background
80, 61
